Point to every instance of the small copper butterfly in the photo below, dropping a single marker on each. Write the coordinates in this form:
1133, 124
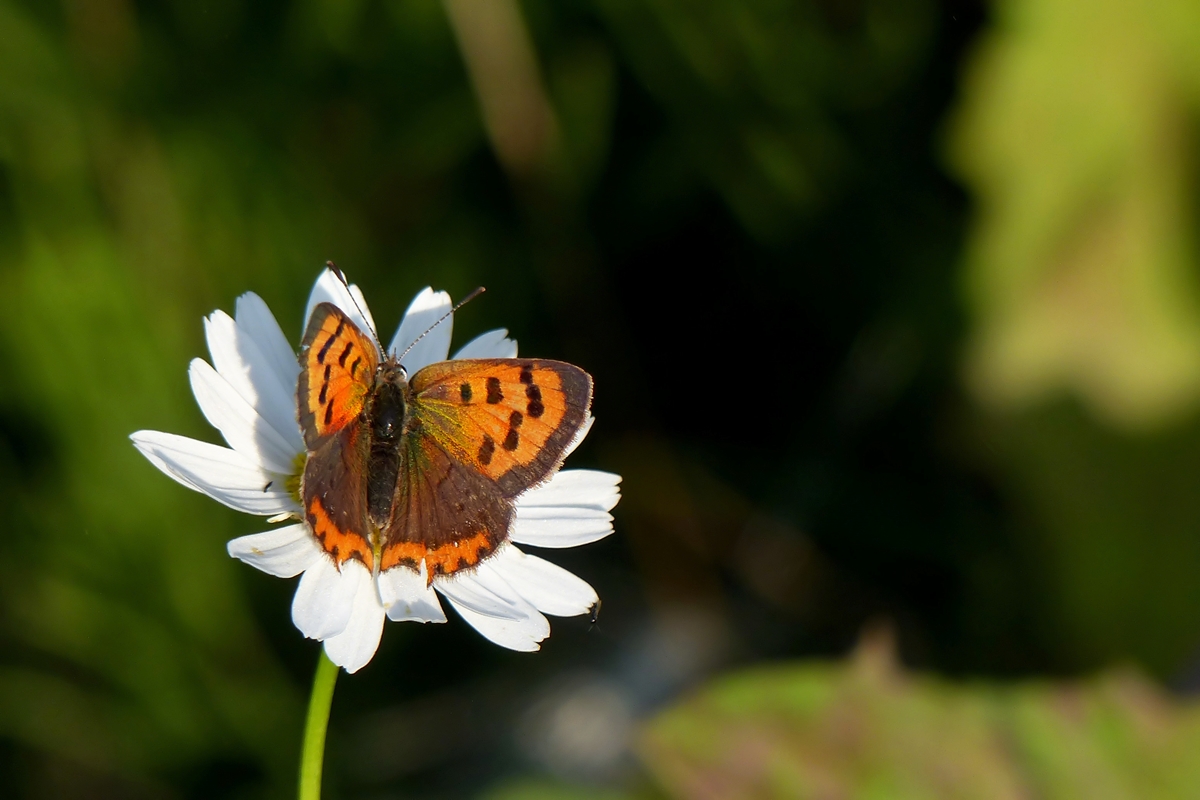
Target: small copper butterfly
402, 470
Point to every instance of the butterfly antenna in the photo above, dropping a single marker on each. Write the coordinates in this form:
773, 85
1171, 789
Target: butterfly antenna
341, 276
478, 291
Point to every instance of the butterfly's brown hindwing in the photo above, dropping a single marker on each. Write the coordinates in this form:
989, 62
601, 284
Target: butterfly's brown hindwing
511, 419
444, 512
337, 367
333, 490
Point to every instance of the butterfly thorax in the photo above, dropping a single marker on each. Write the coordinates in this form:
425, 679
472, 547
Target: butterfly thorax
386, 416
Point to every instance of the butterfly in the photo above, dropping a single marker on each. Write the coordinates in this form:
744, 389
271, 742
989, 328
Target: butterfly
422, 473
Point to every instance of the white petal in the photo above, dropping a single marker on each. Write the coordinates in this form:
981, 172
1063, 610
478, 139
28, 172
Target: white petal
551, 589
483, 590
584, 429
243, 428
562, 532
515, 634
492, 344
426, 308
269, 387
330, 289
223, 474
406, 595
283, 552
492, 607
570, 509
356, 645
256, 321
575, 487
325, 597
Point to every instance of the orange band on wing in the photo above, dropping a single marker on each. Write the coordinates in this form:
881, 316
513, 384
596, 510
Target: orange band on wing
340, 544
444, 560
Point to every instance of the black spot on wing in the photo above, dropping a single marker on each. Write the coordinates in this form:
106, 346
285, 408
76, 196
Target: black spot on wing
494, 395
512, 439
526, 374
324, 387
534, 407
486, 450
345, 354
324, 351
464, 392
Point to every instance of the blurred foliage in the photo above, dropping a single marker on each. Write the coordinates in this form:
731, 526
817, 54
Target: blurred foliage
866, 729
754, 90
1078, 136
701, 203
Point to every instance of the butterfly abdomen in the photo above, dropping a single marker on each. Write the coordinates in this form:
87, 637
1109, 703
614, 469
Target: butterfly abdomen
385, 418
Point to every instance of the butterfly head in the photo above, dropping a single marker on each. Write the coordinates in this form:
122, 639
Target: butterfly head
391, 371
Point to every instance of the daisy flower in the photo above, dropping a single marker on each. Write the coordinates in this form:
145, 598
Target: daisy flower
248, 393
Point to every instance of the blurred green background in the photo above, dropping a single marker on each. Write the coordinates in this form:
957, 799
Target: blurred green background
893, 308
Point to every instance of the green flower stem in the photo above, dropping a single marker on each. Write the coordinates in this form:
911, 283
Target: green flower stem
312, 755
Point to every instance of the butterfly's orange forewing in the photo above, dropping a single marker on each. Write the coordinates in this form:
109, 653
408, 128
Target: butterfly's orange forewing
512, 419
338, 365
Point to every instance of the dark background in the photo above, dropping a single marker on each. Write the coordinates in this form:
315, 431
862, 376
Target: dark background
890, 305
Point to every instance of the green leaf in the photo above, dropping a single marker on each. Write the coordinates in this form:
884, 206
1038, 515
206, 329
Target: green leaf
1076, 135
866, 729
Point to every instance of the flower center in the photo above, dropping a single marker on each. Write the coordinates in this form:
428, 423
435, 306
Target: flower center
293, 480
